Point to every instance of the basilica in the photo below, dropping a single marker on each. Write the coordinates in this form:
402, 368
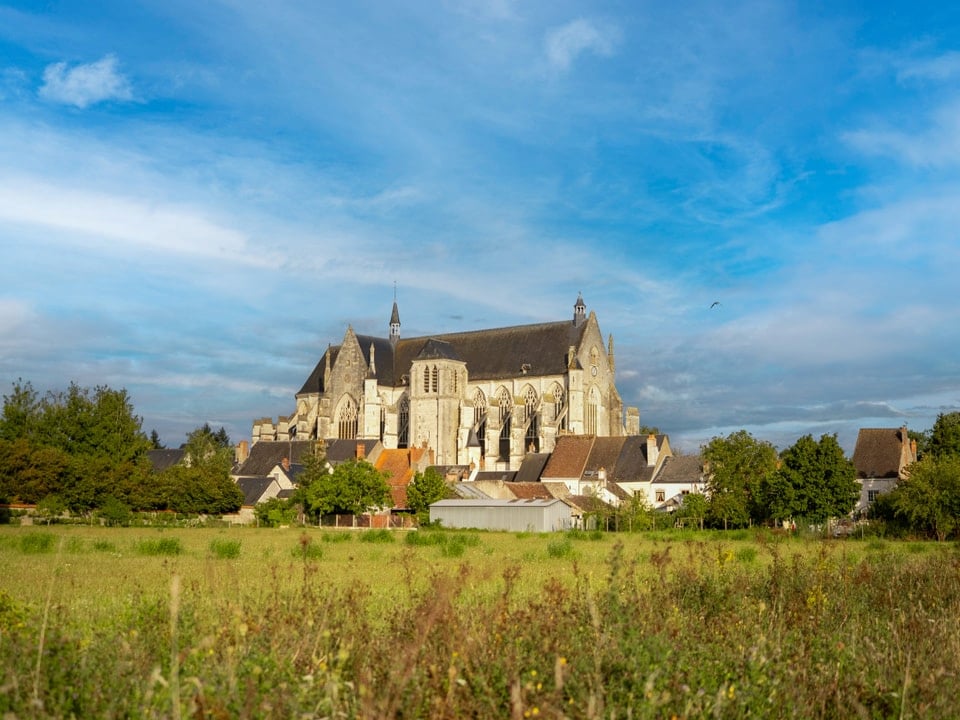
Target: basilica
482, 398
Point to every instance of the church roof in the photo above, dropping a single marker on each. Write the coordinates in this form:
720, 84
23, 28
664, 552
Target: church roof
435, 349
537, 350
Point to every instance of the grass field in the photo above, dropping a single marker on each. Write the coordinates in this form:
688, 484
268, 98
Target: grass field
101, 622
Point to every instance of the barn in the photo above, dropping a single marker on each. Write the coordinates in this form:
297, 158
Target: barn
518, 515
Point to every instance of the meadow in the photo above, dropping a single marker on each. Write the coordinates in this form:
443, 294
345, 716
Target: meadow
294, 623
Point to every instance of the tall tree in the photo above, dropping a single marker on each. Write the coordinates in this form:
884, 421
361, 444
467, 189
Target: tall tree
737, 467
929, 499
821, 480
21, 412
945, 435
426, 487
353, 488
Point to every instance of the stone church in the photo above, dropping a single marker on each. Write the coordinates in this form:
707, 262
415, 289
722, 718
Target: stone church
481, 398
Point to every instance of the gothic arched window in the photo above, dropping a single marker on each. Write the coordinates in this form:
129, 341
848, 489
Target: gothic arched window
531, 441
403, 430
347, 419
434, 379
505, 403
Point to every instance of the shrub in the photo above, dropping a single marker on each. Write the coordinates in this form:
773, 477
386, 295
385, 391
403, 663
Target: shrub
560, 547
376, 536
336, 537
37, 542
225, 549
307, 549
104, 546
160, 546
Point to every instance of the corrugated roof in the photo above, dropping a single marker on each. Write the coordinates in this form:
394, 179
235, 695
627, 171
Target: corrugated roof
494, 502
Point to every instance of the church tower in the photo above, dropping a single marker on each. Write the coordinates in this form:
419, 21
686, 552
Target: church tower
579, 311
394, 324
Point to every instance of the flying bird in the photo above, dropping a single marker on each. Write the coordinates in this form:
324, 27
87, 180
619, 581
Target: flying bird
714, 304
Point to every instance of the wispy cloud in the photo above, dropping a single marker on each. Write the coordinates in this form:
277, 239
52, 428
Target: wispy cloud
85, 85
564, 44
939, 68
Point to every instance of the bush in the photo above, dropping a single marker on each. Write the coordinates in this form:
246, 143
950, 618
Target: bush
560, 547
161, 546
37, 542
336, 537
307, 549
376, 536
225, 549
104, 546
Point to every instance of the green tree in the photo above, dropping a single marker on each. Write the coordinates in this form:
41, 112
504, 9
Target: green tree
275, 512
815, 481
155, 442
929, 499
353, 488
29, 472
426, 488
315, 469
94, 423
202, 484
21, 412
737, 466
694, 508
51, 508
945, 435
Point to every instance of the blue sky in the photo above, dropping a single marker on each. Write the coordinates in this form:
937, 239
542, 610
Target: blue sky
196, 198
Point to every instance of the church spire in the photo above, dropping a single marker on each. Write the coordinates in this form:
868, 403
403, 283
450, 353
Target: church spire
394, 321
579, 311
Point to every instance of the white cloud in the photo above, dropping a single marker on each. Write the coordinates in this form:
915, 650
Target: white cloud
84, 85
120, 224
566, 43
940, 68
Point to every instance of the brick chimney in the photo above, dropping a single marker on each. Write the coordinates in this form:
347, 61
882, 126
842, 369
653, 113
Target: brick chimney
361, 451
285, 463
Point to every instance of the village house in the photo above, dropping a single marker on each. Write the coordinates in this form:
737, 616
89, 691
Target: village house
881, 458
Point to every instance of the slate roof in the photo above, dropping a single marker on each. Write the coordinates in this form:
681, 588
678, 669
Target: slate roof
455, 472
162, 459
265, 456
632, 464
531, 467
604, 454
253, 488
489, 354
879, 452
495, 475
681, 469
339, 450
528, 490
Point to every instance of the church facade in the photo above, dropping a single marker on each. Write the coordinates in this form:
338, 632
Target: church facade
481, 398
